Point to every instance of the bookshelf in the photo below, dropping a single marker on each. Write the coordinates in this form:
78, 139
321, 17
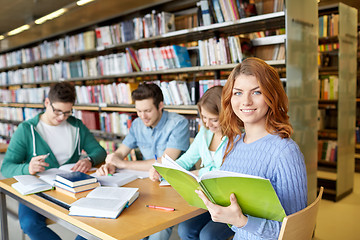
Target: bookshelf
298, 65
339, 108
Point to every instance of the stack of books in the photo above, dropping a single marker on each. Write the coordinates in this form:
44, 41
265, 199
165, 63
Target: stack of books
75, 184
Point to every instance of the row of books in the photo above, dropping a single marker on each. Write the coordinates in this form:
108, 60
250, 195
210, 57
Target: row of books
49, 49
326, 47
329, 25
329, 87
218, 11
176, 93
327, 150
220, 51
148, 59
114, 122
205, 84
115, 93
120, 123
111, 64
24, 95
151, 24
110, 146
7, 129
18, 114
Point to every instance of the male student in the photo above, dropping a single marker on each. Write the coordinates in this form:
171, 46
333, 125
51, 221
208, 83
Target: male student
154, 132
54, 132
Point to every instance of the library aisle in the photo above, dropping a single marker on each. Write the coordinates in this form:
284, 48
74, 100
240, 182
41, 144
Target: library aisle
340, 220
335, 221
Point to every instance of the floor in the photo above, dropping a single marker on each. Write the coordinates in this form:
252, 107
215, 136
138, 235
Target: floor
335, 221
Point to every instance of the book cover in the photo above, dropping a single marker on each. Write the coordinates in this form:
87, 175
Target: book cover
104, 202
77, 189
182, 58
74, 179
218, 12
255, 195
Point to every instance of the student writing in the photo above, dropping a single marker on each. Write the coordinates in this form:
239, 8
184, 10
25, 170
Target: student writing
56, 132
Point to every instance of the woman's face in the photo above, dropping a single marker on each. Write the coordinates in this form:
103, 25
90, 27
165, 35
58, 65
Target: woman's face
248, 102
210, 120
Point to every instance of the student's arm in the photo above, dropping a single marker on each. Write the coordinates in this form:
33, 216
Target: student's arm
18, 155
91, 146
93, 149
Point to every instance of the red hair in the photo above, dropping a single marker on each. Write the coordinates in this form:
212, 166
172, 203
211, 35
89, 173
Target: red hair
277, 119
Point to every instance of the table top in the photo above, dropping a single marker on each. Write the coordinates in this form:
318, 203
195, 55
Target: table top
134, 222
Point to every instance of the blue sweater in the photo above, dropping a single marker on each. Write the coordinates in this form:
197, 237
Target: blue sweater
279, 160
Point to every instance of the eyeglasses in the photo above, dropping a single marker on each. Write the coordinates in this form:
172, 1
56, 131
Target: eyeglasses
58, 112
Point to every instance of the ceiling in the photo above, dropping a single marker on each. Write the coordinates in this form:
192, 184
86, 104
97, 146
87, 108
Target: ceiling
16, 13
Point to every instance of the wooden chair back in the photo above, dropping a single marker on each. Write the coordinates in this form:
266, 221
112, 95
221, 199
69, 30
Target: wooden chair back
301, 225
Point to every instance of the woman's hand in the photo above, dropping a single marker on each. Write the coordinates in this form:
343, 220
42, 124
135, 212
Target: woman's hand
231, 214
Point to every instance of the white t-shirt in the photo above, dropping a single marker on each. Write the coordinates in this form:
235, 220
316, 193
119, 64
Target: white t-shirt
61, 139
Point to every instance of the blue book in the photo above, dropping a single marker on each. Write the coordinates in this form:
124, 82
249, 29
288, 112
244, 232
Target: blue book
182, 58
74, 179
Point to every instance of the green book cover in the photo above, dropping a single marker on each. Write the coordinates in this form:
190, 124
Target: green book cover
255, 195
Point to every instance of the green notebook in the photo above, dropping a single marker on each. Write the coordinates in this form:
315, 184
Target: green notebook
255, 195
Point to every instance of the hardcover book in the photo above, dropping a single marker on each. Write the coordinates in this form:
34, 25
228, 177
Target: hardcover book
74, 179
77, 189
255, 195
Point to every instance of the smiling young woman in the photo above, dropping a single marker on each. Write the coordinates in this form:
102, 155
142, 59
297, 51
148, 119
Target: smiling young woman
254, 118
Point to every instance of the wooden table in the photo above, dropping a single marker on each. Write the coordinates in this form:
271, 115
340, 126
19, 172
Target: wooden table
135, 222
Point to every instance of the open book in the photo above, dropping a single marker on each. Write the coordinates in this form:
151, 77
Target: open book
255, 195
104, 202
28, 184
116, 179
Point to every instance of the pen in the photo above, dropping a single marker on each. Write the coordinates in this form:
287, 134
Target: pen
109, 174
155, 158
162, 208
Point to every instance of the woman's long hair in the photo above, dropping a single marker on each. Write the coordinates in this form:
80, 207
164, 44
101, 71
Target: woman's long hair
277, 119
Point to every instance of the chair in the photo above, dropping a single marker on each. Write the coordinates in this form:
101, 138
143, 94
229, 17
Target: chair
301, 225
